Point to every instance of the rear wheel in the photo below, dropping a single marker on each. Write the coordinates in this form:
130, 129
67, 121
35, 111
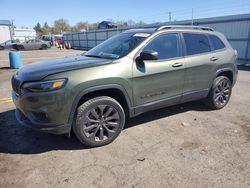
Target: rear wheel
220, 93
21, 47
44, 47
99, 121
1, 48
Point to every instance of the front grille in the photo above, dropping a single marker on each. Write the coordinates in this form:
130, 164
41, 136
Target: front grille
15, 84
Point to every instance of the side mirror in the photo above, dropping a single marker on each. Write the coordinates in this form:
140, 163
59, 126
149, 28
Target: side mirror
149, 55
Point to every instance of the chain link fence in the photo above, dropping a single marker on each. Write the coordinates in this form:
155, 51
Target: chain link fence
236, 28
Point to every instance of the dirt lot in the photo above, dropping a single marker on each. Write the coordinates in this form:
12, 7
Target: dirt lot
181, 146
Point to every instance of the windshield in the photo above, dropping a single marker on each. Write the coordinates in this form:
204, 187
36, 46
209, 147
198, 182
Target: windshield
117, 46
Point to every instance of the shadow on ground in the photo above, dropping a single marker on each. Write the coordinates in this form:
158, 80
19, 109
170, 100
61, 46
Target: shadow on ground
15, 139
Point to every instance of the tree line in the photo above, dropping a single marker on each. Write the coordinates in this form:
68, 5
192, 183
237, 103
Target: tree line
61, 26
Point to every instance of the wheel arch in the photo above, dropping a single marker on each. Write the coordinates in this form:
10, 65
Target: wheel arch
15, 46
112, 90
227, 73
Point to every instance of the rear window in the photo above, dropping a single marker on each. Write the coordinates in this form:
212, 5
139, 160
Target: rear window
196, 43
216, 42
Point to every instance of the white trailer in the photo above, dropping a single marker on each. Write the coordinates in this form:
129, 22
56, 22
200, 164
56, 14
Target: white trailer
5, 30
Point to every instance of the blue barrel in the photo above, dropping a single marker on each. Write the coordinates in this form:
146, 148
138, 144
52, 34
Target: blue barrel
15, 59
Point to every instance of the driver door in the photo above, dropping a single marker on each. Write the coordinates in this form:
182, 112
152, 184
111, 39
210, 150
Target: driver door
159, 82
29, 44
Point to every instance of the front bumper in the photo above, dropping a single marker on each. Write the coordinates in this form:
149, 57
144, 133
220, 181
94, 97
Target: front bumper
53, 129
30, 112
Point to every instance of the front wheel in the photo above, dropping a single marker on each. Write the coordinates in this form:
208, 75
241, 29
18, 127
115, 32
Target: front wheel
220, 93
99, 121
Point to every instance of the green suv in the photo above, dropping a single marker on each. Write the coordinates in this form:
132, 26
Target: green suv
133, 72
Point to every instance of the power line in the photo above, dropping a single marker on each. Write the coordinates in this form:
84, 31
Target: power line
185, 13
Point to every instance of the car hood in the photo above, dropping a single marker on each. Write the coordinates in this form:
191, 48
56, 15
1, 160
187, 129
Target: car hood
38, 71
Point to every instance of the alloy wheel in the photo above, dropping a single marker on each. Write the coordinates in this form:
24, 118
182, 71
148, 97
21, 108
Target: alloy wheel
222, 93
101, 122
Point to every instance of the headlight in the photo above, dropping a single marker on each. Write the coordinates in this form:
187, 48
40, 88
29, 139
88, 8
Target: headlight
43, 86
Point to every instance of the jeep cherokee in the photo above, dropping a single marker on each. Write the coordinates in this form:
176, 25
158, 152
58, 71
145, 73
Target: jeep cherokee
130, 73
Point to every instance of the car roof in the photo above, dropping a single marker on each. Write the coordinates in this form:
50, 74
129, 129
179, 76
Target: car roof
170, 27
141, 30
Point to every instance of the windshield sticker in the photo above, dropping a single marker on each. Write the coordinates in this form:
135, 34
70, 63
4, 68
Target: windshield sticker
114, 56
141, 35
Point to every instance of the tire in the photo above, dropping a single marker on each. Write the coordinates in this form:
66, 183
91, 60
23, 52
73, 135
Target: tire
99, 121
14, 47
21, 47
44, 47
1, 48
220, 93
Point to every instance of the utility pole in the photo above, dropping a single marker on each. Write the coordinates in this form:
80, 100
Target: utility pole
192, 16
12, 31
87, 26
169, 16
117, 24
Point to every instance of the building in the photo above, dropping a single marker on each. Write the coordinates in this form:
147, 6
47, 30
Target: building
23, 34
5, 30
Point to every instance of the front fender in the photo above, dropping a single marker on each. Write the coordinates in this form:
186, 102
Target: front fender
99, 88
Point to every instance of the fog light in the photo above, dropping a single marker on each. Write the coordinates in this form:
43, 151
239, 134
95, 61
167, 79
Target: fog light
40, 116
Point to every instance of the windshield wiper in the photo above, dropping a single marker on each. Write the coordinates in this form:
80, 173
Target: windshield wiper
97, 56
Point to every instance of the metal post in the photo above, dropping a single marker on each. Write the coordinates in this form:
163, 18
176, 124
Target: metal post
192, 16
11, 28
169, 17
95, 39
79, 40
248, 46
87, 40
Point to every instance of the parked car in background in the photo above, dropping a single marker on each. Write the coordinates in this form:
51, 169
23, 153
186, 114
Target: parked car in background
58, 39
33, 44
47, 38
53, 38
106, 25
8, 44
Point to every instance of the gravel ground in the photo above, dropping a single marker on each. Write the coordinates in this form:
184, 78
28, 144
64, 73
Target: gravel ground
181, 146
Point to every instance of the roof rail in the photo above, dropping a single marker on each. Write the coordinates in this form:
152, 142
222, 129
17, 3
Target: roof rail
184, 27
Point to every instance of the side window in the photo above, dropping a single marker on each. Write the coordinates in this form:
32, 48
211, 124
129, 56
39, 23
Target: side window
216, 42
167, 46
196, 43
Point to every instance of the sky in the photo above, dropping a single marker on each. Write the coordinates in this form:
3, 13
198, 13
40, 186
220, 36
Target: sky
26, 13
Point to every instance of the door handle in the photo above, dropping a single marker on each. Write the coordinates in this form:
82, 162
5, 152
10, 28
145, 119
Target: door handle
214, 59
177, 65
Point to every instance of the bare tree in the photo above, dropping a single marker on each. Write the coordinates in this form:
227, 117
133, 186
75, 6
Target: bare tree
61, 25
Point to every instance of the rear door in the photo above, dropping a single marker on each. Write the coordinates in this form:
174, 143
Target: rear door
200, 65
30, 44
38, 44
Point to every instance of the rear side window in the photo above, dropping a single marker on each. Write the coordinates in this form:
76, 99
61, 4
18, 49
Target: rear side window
196, 43
216, 42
